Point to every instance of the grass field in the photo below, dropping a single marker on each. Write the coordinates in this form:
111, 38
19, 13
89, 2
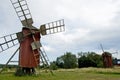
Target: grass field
69, 74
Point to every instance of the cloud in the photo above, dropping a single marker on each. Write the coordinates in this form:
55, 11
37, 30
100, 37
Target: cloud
88, 23
98, 12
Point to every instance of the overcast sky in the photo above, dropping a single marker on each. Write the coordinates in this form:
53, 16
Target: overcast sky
88, 23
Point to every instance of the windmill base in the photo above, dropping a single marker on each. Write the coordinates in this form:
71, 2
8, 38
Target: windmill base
26, 70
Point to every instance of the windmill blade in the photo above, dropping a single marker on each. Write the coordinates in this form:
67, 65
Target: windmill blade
115, 52
52, 27
23, 12
8, 41
11, 40
102, 48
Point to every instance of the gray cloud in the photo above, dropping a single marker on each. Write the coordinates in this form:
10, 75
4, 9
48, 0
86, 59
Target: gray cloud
88, 23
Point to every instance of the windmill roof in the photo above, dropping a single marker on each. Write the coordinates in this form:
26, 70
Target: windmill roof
32, 27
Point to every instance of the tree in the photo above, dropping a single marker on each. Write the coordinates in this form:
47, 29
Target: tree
90, 59
68, 60
60, 62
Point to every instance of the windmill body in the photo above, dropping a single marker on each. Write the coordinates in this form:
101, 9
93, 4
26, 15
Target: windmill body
107, 58
28, 57
30, 51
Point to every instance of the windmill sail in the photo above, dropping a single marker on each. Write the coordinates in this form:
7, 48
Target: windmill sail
53, 27
8, 41
23, 12
102, 47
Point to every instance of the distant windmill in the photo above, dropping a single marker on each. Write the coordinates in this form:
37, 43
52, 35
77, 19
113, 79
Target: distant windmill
107, 58
29, 38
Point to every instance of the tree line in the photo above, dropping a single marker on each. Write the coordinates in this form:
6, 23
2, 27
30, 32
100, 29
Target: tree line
83, 59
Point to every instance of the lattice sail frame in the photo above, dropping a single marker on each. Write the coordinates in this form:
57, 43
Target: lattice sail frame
23, 12
52, 27
8, 41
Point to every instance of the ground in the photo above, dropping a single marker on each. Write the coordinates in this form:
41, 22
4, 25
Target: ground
68, 74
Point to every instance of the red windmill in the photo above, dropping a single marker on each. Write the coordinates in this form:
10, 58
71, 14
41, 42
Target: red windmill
29, 38
107, 58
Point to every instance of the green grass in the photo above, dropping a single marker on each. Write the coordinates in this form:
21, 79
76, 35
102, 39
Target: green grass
69, 74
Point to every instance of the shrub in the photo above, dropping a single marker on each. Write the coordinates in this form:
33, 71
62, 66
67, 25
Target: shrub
19, 72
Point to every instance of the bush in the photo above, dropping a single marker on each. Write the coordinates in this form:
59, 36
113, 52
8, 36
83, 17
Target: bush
19, 72
53, 66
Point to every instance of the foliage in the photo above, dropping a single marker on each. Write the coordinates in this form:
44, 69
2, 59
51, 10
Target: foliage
68, 60
19, 72
9, 66
90, 59
60, 62
53, 66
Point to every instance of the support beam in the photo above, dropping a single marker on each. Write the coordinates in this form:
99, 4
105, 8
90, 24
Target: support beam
9, 59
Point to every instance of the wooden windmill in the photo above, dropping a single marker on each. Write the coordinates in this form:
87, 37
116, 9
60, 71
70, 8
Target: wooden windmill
29, 38
107, 58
